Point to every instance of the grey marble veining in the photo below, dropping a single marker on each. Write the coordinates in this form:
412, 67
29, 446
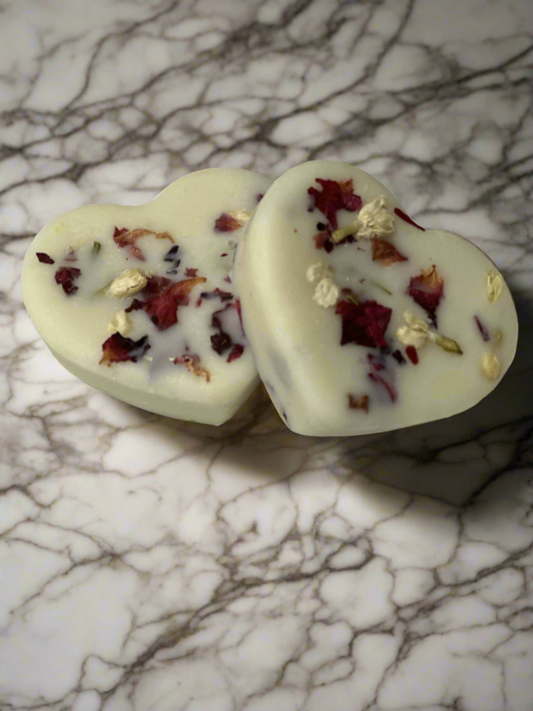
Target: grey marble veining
152, 564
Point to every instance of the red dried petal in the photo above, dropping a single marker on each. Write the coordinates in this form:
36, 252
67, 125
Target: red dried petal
259, 197
191, 272
127, 238
388, 387
401, 214
239, 312
412, 354
136, 305
482, 329
385, 252
359, 403
236, 352
427, 290
227, 223
222, 295
118, 349
333, 197
321, 238
45, 258
364, 323
65, 276
155, 286
163, 309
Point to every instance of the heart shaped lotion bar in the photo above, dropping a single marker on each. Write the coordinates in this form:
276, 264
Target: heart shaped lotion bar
138, 302
361, 321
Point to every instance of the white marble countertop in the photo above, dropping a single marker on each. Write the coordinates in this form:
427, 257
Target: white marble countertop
150, 564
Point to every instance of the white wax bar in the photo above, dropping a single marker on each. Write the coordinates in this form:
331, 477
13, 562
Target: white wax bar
379, 326
181, 351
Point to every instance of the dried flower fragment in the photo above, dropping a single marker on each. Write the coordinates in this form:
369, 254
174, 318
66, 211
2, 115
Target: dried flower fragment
125, 238
412, 354
490, 366
192, 363
235, 353
326, 290
385, 252
129, 282
358, 403
163, 309
65, 276
120, 323
118, 349
333, 197
373, 220
364, 323
241, 215
427, 289
227, 223
415, 332
96, 247
403, 216
481, 328
494, 286
44, 258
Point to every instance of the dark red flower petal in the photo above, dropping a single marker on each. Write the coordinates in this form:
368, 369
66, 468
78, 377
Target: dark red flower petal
333, 197
364, 323
398, 357
236, 352
227, 223
427, 290
118, 349
412, 354
191, 272
358, 403
401, 214
385, 252
220, 342
135, 305
222, 295
259, 197
482, 329
163, 309
65, 276
45, 258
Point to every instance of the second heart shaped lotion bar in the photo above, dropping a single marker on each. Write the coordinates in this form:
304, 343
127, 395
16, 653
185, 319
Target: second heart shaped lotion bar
360, 320
138, 302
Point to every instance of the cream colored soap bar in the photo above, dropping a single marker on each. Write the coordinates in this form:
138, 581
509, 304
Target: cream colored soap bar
360, 320
138, 301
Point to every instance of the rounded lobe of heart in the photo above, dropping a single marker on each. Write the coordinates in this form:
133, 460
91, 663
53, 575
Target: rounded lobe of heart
318, 359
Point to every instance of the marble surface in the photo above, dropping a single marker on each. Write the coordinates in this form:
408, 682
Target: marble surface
150, 564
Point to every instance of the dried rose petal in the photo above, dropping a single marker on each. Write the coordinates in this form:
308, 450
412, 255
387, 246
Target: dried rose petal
364, 323
222, 295
259, 197
398, 357
388, 387
155, 286
65, 276
163, 309
44, 258
192, 362
427, 290
385, 252
358, 403
412, 354
227, 223
239, 312
136, 305
482, 329
191, 272
401, 214
127, 238
236, 352
220, 342
118, 349
333, 197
